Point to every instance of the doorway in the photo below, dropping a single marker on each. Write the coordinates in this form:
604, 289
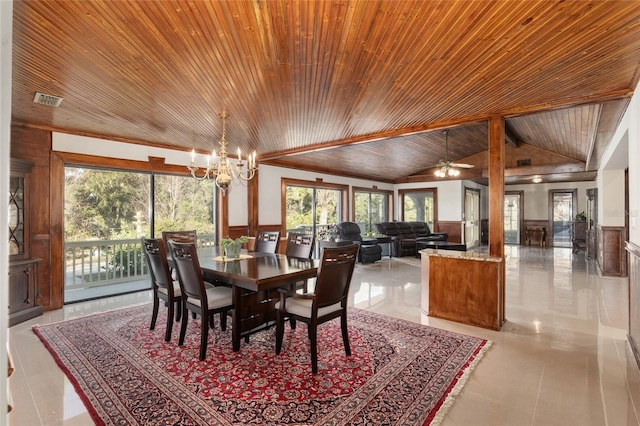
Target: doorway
562, 203
513, 216
471, 217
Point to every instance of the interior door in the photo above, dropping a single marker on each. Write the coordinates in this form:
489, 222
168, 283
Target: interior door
472, 217
513, 217
562, 204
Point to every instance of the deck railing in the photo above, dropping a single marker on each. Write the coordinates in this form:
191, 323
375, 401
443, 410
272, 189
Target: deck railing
104, 262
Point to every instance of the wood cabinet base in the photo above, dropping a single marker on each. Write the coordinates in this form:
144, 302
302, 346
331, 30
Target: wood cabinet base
463, 287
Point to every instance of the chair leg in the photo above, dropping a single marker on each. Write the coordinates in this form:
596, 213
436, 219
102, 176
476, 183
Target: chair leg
167, 333
313, 337
279, 331
223, 320
204, 337
178, 310
345, 333
183, 324
154, 315
212, 321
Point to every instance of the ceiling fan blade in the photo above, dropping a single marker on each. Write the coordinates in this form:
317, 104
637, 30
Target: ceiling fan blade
461, 165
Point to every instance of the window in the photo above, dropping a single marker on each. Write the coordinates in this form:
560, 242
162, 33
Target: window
106, 214
371, 206
314, 206
420, 205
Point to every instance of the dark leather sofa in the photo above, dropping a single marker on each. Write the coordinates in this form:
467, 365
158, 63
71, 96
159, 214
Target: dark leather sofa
369, 251
405, 236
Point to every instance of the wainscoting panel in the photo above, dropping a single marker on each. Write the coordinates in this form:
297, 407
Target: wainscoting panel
612, 260
634, 298
453, 229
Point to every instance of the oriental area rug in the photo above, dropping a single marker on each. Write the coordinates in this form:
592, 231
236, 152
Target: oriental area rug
399, 373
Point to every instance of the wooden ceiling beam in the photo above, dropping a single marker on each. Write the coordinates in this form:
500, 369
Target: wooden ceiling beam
510, 137
548, 106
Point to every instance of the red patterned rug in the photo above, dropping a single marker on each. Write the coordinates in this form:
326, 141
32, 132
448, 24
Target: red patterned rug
399, 373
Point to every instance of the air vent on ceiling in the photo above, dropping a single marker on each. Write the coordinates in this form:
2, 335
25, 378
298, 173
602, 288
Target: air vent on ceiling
50, 100
522, 163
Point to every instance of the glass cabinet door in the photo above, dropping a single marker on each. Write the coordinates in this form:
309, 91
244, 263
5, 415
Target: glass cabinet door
16, 216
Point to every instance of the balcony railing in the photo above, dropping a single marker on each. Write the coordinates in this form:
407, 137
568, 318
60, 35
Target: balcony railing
105, 262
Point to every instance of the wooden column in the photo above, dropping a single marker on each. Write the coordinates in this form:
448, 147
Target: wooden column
496, 195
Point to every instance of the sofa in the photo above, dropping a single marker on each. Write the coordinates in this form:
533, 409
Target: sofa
404, 236
369, 251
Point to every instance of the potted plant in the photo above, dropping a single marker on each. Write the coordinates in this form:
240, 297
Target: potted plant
580, 217
231, 246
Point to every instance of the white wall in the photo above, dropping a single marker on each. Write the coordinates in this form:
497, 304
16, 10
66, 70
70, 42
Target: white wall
6, 22
623, 152
536, 197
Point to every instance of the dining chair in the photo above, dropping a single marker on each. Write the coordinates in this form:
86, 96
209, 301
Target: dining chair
198, 298
164, 287
300, 246
180, 237
328, 301
267, 241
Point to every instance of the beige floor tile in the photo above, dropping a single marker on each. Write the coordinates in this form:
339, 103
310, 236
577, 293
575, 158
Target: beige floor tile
561, 358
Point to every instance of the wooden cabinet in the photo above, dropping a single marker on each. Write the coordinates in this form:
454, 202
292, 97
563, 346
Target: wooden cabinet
23, 279
465, 287
23, 270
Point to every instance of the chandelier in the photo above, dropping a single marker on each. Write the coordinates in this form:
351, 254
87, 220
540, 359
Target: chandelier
220, 168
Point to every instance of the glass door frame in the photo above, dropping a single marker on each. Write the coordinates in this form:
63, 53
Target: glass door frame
521, 227
386, 193
574, 202
434, 192
318, 184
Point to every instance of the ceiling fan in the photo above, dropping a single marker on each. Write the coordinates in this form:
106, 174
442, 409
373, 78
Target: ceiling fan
445, 167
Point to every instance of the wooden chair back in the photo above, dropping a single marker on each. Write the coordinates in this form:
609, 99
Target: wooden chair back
158, 265
179, 237
186, 263
267, 241
299, 245
334, 275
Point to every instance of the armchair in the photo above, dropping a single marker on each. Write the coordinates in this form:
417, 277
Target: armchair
369, 252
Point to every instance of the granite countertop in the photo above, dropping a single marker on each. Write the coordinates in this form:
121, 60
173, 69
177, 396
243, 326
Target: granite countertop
467, 255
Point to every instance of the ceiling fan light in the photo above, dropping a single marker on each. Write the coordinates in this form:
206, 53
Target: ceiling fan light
440, 173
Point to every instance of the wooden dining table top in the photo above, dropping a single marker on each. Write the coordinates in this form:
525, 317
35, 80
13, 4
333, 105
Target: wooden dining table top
256, 270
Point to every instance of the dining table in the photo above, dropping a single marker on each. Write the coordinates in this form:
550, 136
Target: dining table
255, 278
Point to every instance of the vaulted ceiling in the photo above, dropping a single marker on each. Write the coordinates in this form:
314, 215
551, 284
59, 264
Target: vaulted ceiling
353, 87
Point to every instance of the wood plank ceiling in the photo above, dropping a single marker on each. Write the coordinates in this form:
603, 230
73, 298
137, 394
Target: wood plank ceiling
351, 87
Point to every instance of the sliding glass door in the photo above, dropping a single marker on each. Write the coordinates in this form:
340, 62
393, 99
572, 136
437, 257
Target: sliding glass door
371, 207
562, 204
420, 205
313, 210
106, 214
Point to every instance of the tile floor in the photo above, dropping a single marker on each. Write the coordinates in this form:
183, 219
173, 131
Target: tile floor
561, 358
